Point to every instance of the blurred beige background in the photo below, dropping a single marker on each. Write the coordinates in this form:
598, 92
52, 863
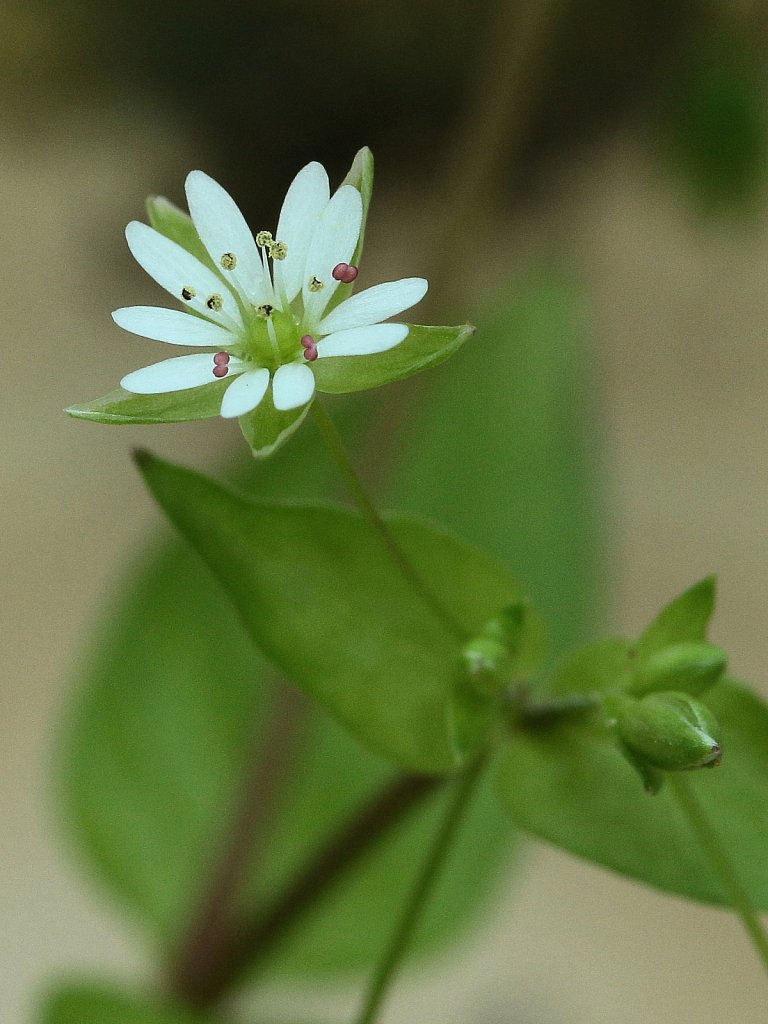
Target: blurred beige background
681, 315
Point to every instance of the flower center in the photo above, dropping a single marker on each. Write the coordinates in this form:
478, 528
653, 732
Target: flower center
272, 338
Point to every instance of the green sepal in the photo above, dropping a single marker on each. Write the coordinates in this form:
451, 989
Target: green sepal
422, 348
121, 407
691, 667
267, 428
684, 619
165, 217
670, 731
360, 176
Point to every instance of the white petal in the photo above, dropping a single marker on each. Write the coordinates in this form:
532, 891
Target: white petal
223, 230
245, 393
176, 269
304, 203
294, 385
177, 374
362, 341
172, 326
333, 242
374, 304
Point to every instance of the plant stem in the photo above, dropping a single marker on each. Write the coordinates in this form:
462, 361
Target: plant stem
534, 712
420, 893
208, 934
335, 445
718, 856
250, 942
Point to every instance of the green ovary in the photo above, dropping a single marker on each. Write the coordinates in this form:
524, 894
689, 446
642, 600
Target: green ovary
271, 339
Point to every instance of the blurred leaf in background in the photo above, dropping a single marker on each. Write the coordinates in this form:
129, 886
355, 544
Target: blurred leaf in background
92, 1004
505, 449
715, 119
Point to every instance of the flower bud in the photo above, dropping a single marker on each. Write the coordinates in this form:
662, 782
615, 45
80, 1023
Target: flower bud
688, 667
485, 660
671, 731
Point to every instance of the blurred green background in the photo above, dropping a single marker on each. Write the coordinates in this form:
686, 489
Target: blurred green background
589, 179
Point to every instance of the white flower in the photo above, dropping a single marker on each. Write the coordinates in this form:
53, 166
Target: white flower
263, 329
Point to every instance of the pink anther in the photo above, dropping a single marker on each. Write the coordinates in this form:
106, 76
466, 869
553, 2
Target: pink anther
220, 371
310, 348
339, 271
349, 274
221, 358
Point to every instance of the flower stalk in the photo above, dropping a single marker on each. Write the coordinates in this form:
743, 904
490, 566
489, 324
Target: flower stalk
422, 890
335, 446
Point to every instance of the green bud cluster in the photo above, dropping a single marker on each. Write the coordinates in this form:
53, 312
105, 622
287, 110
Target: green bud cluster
488, 657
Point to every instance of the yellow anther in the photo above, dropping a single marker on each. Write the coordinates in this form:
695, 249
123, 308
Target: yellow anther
315, 285
278, 250
264, 238
265, 310
228, 261
188, 293
214, 302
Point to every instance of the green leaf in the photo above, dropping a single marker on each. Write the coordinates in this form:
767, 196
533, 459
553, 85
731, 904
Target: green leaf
171, 719
423, 348
177, 225
572, 787
319, 594
501, 447
600, 666
119, 407
97, 1004
267, 428
684, 619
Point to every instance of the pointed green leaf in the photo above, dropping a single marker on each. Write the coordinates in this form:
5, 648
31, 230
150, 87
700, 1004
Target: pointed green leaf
572, 787
119, 407
600, 666
97, 1004
320, 595
686, 618
177, 225
267, 428
423, 348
